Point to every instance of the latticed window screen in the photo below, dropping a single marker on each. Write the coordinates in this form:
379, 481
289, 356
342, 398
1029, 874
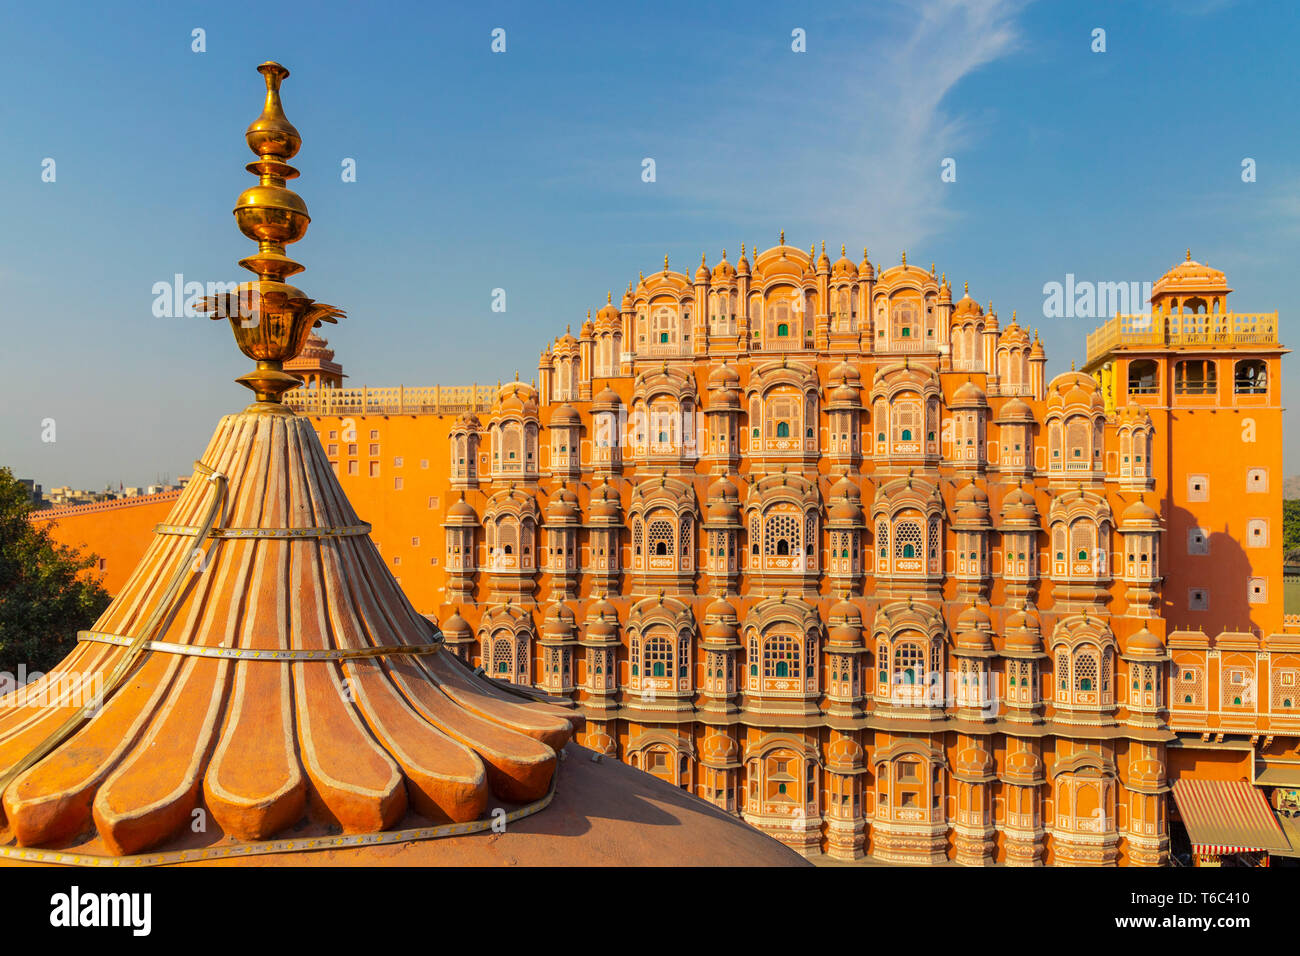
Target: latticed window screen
781, 528
882, 539
661, 532
1062, 670
907, 421
781, 656
1284, 689
658, 657
754, 533
934, 541
1238, 686
683, 655
810, 533
1105, 672
637, 528
909, 663
1085, 671
907, 534
501, 662
1188, 689
684, 536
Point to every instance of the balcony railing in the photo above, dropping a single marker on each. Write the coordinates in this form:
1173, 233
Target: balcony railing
1181, 328
392, 400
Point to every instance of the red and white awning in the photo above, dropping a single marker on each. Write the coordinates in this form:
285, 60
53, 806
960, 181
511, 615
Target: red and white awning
1228, 816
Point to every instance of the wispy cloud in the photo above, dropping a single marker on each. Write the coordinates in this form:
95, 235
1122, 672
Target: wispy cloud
863, 158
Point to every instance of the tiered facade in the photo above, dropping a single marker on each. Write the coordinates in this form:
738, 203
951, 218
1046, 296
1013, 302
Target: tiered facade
825, 547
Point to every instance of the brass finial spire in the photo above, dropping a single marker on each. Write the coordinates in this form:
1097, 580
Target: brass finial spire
271, 319
1189, 255
609, 296
844, 253
665, 262
965, 288
783, 237
905, 258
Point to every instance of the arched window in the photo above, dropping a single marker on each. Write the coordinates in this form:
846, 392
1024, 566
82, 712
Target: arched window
1250, 377
1196, 377
1143, 377
781, 656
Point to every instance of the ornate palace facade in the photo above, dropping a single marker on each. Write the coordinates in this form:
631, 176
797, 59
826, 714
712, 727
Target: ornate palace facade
821, 544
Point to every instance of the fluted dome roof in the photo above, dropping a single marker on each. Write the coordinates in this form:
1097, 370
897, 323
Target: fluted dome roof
1191, 276
724, 271
968, 395
724, 376
565, 415
605, 503
1140, 515
1142, 643
606, 400
844, 267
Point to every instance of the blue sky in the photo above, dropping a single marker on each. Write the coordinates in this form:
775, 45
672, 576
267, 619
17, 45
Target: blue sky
522, 171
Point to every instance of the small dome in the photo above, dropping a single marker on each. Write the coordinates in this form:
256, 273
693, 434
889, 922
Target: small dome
461, 509
1024, 765
1014, 410
605, 503
968, 395
966, 306
724, 376
606, 400
565, 416
974, 762
1139, 515
1191, 276
558, 622
456, 628
724, 271
720, 748
1145, 644
563, 504
844, 267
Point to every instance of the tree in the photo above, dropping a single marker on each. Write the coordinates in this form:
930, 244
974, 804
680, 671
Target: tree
46, 596
1291, 529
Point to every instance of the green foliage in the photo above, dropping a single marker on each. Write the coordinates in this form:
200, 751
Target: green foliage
1291, 528
45, 596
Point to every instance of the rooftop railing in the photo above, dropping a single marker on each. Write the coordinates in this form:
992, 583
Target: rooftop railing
1184, 328
392, 400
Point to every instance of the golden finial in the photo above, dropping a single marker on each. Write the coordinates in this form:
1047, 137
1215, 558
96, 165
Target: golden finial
569, 328
589, 315
943, 280
665, 262
783, 237
823, 247
843, 253
812, 251
904, 258
1189, 255
965, 288
931, 268
273, 216
1013, 316
609, 296
742, 251
864, 253
703, 259
641, 275
724, 254
516, 375
1071, 365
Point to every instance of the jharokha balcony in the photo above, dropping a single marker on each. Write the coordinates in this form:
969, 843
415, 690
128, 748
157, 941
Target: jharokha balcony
1183, 328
